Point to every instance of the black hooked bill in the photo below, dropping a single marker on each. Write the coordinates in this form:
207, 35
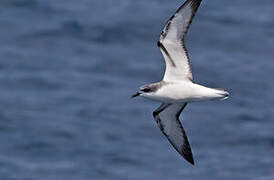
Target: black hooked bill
135, 95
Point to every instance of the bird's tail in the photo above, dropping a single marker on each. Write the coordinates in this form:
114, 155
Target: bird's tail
222, 94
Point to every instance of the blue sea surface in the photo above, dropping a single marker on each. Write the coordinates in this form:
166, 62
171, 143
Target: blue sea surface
68, 69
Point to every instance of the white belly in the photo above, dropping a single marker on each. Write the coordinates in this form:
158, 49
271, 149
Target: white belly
186, 92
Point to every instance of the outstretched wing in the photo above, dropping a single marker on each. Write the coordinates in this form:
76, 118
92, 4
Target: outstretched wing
171, 42
167, 118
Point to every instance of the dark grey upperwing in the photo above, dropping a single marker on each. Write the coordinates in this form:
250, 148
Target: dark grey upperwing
167, 118
171, 42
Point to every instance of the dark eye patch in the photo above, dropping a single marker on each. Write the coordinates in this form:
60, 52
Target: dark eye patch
146, 89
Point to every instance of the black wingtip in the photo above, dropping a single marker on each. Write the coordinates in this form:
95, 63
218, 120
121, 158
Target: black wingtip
190, 160
195, 4
187, 155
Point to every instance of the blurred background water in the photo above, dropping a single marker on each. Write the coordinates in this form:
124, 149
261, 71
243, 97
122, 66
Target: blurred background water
68, 68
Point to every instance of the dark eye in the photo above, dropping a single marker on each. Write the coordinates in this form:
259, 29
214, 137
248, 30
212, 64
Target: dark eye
146, 89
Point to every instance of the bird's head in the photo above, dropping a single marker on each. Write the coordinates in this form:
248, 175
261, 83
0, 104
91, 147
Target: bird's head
146, 90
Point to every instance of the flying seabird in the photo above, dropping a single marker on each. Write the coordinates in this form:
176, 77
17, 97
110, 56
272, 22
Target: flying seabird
177, 87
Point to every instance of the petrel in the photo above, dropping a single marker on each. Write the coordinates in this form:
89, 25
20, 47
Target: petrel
177, 88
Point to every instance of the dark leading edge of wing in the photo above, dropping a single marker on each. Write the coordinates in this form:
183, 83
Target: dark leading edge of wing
167, 118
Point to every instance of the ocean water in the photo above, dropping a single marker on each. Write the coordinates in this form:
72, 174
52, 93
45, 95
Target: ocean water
68, 68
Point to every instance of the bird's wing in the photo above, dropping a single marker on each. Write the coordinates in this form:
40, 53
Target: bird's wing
171, 42
167, 118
